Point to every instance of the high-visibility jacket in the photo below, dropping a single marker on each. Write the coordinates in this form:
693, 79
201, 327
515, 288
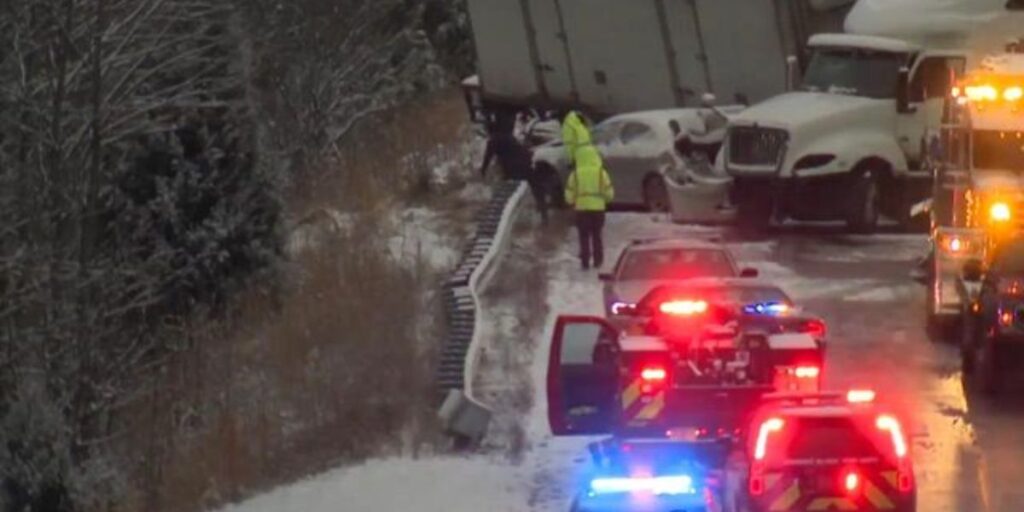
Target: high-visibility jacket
589, 187
574, 134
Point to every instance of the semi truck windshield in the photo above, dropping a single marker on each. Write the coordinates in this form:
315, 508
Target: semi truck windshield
854, 71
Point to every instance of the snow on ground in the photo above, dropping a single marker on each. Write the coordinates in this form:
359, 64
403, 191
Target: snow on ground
544, 478
422, 235
442, 484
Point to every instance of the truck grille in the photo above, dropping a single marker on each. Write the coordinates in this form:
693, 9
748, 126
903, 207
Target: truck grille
755, 146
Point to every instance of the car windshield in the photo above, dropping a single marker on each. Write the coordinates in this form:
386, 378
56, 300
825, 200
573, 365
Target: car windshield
669, 264
722, 294
854, 71
999, 150
816, 438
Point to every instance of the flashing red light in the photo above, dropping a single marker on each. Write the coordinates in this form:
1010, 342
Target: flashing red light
904, 481
815, 328
683, 307
892, 425
851, 482
860, 396
1006, 318
653, 374
770, 426
756, 485
807, 372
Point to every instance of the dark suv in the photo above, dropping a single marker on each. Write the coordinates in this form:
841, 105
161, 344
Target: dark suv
993, 334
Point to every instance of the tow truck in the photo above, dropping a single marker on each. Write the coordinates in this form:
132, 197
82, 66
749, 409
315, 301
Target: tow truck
693, 391
976, 203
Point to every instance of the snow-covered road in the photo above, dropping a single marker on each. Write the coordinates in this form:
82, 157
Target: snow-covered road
968, 454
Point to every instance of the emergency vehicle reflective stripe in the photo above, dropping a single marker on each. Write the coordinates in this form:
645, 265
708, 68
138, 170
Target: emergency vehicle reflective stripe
787, 499
890, 476
832, 504
876, 496
631, 394
653, 408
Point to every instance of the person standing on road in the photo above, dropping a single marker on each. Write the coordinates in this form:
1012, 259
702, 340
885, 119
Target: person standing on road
517, 164
575, 134
589, 190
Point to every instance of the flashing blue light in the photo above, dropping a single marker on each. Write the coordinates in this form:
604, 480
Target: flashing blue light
670, 485
767, 308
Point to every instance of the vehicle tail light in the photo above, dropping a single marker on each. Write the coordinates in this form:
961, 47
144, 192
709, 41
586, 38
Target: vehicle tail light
807, 372
1011, 287
770, 426
1014, 93
860, 396
683, 307
653, 374
892, 426
955, 245
756, 485
815, 328
1005, 318
851, 482
904, 481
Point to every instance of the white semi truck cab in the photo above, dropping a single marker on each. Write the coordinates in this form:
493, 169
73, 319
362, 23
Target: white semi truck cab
850, 141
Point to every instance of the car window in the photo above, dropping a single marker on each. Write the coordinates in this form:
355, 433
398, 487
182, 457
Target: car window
579, 342
633, 132
817, 438
716, 294
675, 264
604, 133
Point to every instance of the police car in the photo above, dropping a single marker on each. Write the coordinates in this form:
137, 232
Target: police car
646, 264
649, 475
828, 451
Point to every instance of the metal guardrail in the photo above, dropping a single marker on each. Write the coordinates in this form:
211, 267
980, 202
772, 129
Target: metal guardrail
462, 289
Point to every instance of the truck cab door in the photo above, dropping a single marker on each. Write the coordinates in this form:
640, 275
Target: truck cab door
582, 378
931, 79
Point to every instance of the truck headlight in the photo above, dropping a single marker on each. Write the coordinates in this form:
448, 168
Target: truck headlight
999, 212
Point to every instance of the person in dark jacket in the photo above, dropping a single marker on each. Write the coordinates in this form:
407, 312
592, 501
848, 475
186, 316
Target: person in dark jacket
517, 164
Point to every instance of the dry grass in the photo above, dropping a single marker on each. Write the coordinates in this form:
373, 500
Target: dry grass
337, 368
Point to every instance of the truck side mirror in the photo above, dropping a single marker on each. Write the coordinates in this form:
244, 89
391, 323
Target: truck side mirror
972, 270
792, 72
903, 91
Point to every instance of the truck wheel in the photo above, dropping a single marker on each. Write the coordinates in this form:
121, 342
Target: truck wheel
655, 194
987, 375
862, 211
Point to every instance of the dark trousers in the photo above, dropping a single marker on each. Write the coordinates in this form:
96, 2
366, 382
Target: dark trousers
589, 225
540, 188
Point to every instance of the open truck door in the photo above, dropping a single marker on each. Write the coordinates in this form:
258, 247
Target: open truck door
583, 368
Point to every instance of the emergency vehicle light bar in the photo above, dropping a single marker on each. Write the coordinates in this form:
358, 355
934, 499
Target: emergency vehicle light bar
669, 484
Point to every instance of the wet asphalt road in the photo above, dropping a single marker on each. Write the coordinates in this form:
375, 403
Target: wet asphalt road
968, 450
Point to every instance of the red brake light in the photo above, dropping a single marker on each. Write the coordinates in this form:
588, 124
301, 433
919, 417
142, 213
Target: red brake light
652, 374
807, 372
683, 307
851, 482
904, 482
756, 485
892, 425
815, 328
768, 427
860, 396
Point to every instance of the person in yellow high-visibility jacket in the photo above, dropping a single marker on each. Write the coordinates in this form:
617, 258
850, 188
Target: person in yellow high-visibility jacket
575, 134
589, 190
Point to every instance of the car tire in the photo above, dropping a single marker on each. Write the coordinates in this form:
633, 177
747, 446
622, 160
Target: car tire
862, 211
655, 194
967, 330
987, 375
